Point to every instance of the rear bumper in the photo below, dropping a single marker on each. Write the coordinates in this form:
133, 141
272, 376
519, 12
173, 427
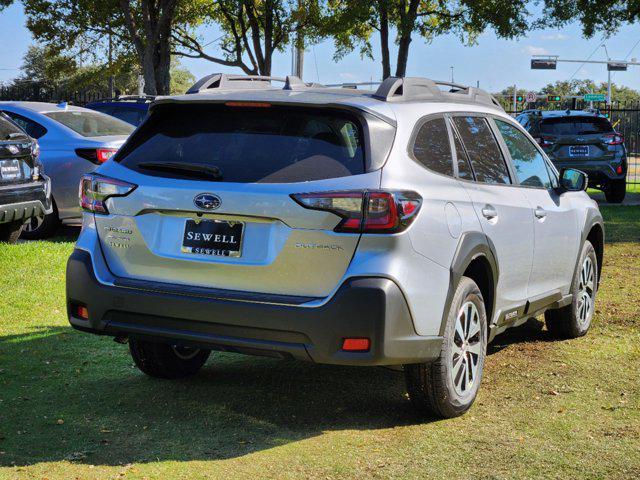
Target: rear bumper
370, 307
597, 171
21, 202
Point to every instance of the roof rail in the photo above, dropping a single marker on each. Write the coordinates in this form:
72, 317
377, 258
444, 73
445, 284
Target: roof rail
399, 89
222, 81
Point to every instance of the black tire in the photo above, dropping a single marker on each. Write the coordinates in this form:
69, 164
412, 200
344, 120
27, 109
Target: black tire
569, 321
34, 230
615, 191
432, 387
162, 360
10, 232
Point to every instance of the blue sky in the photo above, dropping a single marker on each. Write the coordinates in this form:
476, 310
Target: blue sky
496, 63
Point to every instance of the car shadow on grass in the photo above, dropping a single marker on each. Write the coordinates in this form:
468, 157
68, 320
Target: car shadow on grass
67, 395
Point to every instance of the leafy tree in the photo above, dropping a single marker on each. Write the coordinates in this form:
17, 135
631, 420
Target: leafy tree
581, 87
253, 30
353, 22
594, 15
46, 66
181, 78
142, 28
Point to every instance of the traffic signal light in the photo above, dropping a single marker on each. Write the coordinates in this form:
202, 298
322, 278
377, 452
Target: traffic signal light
554, 98
520, 98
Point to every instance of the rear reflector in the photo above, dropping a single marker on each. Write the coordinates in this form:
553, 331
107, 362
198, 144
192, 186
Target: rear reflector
364, 211
356, 344
80, 311
619, 169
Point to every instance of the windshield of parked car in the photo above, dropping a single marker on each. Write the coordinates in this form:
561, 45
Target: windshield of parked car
247, 144
91, 124
575, 125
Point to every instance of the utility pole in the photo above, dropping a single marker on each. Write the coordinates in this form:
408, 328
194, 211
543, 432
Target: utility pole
515, 99
452, 74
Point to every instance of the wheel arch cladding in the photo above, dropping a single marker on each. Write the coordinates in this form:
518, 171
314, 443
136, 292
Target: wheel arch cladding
474, 258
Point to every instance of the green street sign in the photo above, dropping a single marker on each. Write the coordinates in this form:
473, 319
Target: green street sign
595, 97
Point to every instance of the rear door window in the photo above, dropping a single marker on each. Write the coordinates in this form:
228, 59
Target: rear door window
528, 162
33, 129
247, 144
575, 125
483, 150
8, 130
432, 147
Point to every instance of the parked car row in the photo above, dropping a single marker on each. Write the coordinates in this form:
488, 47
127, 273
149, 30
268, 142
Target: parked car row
72, 141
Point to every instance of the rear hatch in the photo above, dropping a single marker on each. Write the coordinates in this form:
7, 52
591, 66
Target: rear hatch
16, 162
212, 206
579, 140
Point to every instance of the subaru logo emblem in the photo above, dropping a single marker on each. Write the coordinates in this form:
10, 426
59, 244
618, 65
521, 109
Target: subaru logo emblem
207, 201
13, 149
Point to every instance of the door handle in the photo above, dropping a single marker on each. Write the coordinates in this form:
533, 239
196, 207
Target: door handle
540, 212
489, 212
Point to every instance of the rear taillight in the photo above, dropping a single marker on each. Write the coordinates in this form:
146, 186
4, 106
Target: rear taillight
364, 211
96, 155
544, 141
96, 189
613, 139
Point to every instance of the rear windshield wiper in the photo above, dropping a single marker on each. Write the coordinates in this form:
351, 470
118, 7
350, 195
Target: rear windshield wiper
197, 170
12, 136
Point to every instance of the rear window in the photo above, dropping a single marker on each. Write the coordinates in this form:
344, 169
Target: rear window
91, 124
8, 130
575, 126
247, 144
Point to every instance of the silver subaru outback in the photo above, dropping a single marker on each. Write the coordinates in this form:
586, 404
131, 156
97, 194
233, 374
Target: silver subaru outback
404, 227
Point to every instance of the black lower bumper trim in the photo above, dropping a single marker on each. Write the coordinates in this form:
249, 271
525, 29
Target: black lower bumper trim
363, 307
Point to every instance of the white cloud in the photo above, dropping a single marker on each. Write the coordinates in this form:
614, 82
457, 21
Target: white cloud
531, 50
348, 76
555, 36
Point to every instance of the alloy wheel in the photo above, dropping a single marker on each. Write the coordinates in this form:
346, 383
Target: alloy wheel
586, 292
467, 349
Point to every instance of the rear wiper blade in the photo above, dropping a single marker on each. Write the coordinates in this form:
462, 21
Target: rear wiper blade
189, 169
11, 136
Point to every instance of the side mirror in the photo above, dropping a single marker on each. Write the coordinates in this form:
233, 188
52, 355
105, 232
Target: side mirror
573, 180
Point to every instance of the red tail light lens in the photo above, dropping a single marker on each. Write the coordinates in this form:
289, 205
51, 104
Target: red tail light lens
613, 139
96, 155
365, 211
95, 190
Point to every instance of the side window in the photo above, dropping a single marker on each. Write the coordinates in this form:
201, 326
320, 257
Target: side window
432, 147
483, 150
464, 167
528, 162
32, 128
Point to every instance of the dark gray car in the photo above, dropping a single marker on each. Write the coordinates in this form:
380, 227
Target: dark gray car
582, 140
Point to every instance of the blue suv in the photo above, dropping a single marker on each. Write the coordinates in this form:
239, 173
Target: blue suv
131, 109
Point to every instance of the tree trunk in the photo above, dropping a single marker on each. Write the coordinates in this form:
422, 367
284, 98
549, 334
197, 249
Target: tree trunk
405, 30
384, 39
149, 74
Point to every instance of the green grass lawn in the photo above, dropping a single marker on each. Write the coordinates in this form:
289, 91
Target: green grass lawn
73, 406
